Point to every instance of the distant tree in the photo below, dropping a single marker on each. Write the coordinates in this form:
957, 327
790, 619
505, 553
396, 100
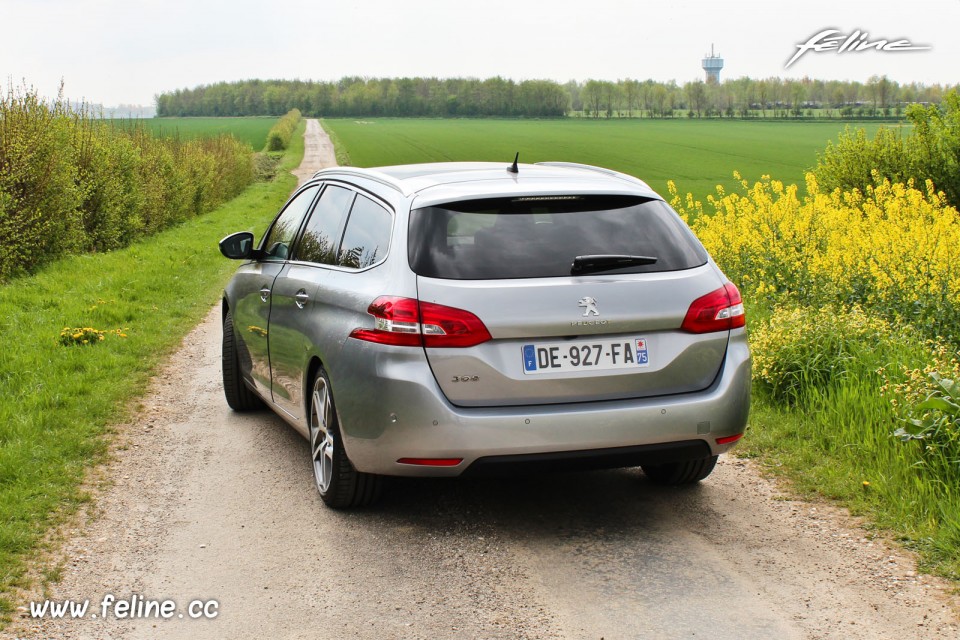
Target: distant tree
592, 95
631, 95
697, 95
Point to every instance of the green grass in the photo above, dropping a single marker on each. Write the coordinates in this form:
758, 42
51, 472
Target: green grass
56, 402
697, 155
830, 432
253, 131
840, 445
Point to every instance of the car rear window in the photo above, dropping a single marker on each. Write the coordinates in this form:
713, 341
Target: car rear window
540, 236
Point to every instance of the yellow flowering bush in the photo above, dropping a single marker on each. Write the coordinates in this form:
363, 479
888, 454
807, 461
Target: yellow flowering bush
893, 248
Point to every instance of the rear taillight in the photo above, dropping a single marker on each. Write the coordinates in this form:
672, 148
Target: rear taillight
405, 322
720, 310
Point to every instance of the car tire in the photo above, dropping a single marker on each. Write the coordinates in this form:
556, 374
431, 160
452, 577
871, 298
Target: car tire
340, 485
680, 473
239, 396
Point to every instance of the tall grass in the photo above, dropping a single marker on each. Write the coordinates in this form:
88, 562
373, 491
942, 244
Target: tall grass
837, 440
72, 183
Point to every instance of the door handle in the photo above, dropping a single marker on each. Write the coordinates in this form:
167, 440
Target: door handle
264, 294
301, 298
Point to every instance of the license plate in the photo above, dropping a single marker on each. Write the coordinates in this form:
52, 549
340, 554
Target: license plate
585, 355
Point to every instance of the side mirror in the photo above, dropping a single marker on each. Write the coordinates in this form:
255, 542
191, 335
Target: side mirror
238, 246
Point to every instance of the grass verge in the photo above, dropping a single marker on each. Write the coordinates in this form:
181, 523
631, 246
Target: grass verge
841, 447
57, 402
339, 149
825, 415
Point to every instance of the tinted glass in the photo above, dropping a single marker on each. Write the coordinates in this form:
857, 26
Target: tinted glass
367, 236
322, 233
284, 229
539, 237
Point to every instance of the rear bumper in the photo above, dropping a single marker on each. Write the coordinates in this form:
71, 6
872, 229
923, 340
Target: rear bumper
409, 418
612, 458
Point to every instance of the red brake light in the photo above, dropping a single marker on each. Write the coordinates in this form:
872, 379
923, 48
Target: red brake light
406, 322
449, 327
431, 462
720, 310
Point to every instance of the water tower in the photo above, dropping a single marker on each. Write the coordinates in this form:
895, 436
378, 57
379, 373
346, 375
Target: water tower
712, 65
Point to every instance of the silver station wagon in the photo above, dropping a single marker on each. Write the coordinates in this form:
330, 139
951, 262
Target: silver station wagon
479, 318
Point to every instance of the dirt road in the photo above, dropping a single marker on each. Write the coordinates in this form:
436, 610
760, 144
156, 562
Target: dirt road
208, 505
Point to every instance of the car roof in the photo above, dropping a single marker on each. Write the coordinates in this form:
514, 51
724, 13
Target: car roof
433, 183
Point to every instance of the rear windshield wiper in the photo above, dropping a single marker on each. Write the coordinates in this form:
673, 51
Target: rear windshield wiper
595, 263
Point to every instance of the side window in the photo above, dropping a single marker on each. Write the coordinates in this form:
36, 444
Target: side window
284, 229
320, 237
367, 237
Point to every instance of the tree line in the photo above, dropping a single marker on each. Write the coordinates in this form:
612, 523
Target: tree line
470, 97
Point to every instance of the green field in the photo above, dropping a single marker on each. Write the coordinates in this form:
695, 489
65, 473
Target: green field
253, 131
697, 155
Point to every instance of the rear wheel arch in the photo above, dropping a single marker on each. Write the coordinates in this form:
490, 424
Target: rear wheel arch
312, 369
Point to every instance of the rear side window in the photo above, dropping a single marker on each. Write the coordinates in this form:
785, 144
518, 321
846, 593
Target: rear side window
539, 237
367, 237
320, 237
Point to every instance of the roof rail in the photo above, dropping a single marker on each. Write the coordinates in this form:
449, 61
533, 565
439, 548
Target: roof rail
577, 165
589, 167
376, 176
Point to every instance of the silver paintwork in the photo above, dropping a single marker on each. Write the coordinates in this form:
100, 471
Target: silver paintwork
395, 402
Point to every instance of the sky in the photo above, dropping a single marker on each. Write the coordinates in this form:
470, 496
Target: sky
114, 52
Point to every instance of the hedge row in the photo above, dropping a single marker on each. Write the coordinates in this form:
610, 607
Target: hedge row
279, 137
72, 183
930, 150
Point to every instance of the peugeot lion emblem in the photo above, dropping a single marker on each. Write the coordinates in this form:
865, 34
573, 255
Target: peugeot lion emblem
590, 304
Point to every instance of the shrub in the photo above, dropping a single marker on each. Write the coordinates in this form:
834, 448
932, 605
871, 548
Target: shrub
70, 182
40, 199
930, 152
279, 136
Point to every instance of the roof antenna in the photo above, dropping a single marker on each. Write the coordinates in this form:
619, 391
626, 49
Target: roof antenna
514, 168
